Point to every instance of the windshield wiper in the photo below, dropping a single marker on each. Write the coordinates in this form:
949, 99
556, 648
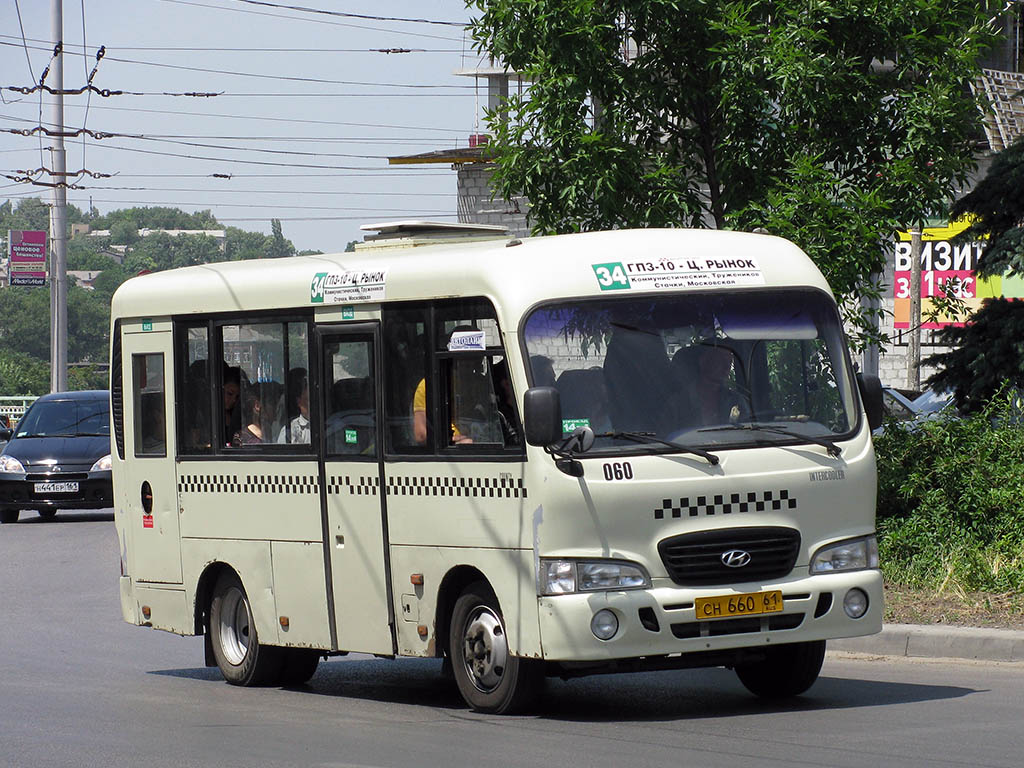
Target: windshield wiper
649, 438
829, 445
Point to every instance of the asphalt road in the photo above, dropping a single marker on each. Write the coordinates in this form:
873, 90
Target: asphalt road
80, 688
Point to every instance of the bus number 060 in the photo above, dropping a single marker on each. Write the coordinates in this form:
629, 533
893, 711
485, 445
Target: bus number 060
618, 471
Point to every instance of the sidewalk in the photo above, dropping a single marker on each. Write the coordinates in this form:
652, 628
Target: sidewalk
938, 641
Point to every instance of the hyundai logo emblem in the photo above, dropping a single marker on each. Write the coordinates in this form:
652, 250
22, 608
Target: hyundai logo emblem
735, 558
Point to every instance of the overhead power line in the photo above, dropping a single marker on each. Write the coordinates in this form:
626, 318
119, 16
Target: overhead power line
312, 20
365, 17
223, 49
265, 118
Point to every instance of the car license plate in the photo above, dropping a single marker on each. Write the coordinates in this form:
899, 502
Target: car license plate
730, 606
56, 487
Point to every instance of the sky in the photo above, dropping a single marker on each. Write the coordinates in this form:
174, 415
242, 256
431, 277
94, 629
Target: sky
306, 114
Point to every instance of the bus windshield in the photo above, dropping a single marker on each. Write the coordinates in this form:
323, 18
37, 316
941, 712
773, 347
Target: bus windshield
725, 369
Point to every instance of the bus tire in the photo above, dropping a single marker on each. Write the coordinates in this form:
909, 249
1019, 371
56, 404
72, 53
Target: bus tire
299, 665
236, 647
489, 678
9, 515
788, 670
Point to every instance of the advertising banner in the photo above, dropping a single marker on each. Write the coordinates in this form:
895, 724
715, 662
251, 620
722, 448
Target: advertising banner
947, 268
27, 257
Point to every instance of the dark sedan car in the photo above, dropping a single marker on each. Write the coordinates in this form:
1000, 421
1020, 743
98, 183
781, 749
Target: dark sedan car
58, 456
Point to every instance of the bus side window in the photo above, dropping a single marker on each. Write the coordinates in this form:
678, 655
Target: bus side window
148, 392
406, 388
194, 399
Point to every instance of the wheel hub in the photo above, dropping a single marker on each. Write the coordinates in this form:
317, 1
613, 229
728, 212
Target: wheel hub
485, 649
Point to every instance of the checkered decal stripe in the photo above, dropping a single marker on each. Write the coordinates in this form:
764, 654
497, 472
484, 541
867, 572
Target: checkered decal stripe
286, 484
477, 487
354, 486
717, 505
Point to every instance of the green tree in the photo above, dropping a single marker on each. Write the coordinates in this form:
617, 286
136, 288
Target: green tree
124, 232
986, 353
22, 374
830, 123
997, 205
279, 247
25, 321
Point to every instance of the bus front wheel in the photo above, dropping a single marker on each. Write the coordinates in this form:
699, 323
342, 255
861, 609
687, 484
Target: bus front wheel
236, 647
788, 670
489, 677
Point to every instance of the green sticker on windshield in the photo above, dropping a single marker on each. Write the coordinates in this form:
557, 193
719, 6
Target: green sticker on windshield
350, 436
570, 425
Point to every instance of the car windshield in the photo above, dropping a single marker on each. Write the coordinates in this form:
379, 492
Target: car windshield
932, 400
721, 369
70, 418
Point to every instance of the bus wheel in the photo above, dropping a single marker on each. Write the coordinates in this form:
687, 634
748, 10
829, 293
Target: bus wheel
236, 647
299, 665
788, 670
9, 515
490, 679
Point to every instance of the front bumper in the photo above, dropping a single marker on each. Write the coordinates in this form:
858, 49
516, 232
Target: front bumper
95, 491
662, 620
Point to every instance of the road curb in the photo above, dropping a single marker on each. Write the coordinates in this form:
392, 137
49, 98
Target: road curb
930, 641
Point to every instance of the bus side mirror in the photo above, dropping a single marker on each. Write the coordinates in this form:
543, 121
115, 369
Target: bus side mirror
542, 416
871, 393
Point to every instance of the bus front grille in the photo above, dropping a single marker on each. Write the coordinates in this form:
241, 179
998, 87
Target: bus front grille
698, 559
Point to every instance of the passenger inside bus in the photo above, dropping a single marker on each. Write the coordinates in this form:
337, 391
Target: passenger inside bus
252, 417
197, 396
703, 371
506, 405
151, 408
297, 430
232, 411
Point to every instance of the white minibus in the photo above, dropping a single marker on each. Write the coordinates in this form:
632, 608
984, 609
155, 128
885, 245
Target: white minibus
555, 456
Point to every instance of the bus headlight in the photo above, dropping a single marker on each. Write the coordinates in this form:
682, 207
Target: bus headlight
563, 577
11, 464
850, 555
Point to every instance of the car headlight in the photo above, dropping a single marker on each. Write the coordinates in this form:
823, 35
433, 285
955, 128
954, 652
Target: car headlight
101, 464
564, 577
10, 464
850, 555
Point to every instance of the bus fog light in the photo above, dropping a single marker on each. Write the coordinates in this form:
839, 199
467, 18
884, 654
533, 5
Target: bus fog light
855, 603
604, 625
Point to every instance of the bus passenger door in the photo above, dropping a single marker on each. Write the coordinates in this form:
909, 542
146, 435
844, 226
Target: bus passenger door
149, 496
355, 515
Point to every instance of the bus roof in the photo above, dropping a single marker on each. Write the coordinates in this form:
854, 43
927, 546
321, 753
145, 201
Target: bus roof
517, 273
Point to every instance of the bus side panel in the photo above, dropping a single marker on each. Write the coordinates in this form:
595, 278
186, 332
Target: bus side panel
253, 500
509, 572
251, 560
458, 504
299, 593
168, 609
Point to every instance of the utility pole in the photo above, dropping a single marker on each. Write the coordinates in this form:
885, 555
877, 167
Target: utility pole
58, 216
914, 341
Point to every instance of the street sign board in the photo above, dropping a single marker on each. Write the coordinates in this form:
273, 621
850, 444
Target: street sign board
27, 257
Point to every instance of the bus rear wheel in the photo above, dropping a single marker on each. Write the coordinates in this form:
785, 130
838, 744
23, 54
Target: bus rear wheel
489, 677
236, 646
788, 670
